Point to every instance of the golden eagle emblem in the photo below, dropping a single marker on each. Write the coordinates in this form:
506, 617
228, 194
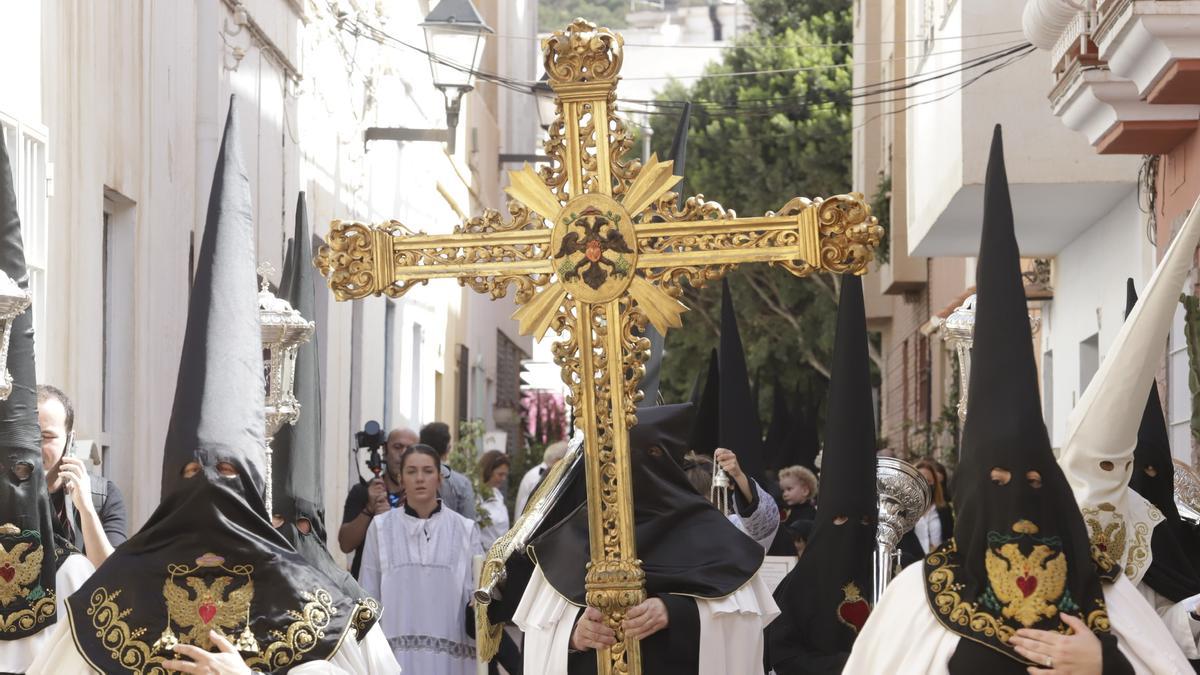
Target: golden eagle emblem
207, 607
20, 570
1030, 586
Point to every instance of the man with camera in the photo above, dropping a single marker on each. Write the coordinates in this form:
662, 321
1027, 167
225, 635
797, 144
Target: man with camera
366, 500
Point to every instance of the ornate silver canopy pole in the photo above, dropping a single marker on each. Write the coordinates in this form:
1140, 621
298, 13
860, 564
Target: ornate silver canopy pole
958, 330
904, 497
283, 331
13, 301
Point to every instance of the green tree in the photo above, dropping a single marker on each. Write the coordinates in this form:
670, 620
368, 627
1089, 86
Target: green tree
754, 143
556, 14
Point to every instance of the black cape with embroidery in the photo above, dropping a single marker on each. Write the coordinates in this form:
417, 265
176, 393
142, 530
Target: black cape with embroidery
27, 542
823, 601
686, 546
298, 461
1020, 553
208, 558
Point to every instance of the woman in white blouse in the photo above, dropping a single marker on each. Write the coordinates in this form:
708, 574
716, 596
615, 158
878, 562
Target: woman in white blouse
494, 467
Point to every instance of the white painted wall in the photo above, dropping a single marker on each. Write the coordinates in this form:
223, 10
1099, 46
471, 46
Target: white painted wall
1089, 297
132, 95
1058, 183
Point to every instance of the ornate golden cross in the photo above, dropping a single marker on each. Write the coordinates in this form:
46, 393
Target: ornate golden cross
596, 247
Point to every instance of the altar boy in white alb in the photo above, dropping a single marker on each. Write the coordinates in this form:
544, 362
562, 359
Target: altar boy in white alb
1016, 590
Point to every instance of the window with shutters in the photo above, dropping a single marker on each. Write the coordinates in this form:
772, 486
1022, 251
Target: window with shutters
30, 166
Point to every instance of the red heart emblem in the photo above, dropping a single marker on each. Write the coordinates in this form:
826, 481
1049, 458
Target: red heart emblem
7, 572
1027, 584
207, 611
855, 613
594, 251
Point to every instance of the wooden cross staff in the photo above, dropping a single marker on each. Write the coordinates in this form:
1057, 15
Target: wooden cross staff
595, 248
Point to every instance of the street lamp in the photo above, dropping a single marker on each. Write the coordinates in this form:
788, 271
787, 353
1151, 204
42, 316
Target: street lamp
283, 331
13, 301
546, 102
454, 38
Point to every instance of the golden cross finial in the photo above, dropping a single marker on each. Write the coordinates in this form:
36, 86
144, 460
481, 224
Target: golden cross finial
596, 248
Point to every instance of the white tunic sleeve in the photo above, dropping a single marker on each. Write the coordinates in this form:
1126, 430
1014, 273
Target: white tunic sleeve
762, 524
547, 620
1177, 615
372, 656
17, 655
731, 629
59, 656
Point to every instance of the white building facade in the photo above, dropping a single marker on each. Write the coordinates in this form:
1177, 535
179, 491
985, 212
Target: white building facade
114, 118
1073, 207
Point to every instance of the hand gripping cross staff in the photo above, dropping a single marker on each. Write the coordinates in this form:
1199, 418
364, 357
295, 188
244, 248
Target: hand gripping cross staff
596, 248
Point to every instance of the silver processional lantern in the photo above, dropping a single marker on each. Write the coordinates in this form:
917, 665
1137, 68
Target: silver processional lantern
13, 301
958, 330
904, 497
283, 331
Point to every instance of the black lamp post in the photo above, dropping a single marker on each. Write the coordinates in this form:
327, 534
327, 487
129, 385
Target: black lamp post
454, 38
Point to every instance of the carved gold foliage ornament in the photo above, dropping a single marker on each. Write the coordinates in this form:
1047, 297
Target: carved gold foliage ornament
595, 248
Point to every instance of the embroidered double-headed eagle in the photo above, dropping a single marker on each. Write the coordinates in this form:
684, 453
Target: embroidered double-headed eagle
20, 571
1028, 586
207, 607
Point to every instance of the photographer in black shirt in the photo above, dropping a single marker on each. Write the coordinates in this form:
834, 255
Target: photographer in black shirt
367, 499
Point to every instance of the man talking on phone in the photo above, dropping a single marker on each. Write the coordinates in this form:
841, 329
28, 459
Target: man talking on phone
88, 511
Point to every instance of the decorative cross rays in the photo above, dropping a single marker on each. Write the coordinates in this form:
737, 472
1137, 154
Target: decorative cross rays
596, 248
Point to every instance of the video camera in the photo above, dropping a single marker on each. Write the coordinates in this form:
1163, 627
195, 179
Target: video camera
373, 438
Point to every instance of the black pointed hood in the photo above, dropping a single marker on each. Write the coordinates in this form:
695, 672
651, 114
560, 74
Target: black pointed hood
211, 529
1174, 570
289, 254
298, 448
705, 425
651, 380
1020, 553
776, 444
738, 411
1153, 474
803, 443
824, 600
679, 149
27, 597
299, 491
218, 411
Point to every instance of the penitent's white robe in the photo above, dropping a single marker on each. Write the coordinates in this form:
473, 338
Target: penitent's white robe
1178, 618
902, 636
371, 656
731, 628
16, 655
